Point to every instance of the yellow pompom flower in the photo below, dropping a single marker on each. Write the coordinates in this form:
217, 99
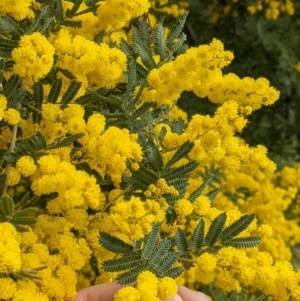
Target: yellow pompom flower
7, 288
12, 116
14, 177
167, 288
128, 294
19, 10
3, 104
34, 57
25, 166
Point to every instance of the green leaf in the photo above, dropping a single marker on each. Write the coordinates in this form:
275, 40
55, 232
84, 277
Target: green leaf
178, 45
149, 241
159, 41
179, 172
145, 174
38, 95
23, 220
130, 80
17, 97
126, 48
181, 152
181, 241
215, 229
59, 12
130, 276
166, 263
176, 29
159, 252
99, 37
8, 25
145, 34
55, 90
71, 12
213, 193
237, 227
11, 85
70, 93
174, 272
6, 205
162, 135
114, 244
63, 142
5, 53
2, 179
242, 242
121, 264
25, 212
196, 193
70, 23
20, 228
154, 156
8, 43
197, 239
10, 157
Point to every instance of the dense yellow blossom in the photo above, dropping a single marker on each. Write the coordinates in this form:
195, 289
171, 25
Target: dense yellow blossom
33, 58
26, 166
17, 10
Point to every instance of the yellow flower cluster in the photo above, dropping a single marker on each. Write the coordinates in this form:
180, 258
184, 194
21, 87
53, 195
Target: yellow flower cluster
19, 11
175, 9
196, 66
272, 8
114, 14
10, 115
74, 188
33, 58
93, 65
148, 288
132, 219
10, 259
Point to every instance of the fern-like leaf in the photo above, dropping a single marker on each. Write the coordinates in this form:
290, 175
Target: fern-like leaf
121, 264
159, 252
181, 241
99, 37
55, 90
130, 80
213, 193
181, 171
71, 12
176, 29
242, 242
8, 25
154, 156
181, 152
38, 95
149, 241
166, 263
196, 193
5, 53
70, 93
11, 85
237, 227
8, 43
67, 141
174, 272
126, 48
130, 276
159, 41
114, 244
197, 239
215, 229
145, 34
59, 13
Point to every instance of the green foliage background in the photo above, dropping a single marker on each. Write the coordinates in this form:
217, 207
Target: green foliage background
262, 48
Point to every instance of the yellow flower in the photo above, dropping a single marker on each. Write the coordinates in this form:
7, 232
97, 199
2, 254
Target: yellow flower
7, 288
167, 287
12, 116
25, 166
128, 294
14, 177
34, 57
